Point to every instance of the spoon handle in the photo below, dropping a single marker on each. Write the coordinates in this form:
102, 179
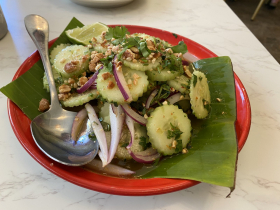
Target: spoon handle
38, 29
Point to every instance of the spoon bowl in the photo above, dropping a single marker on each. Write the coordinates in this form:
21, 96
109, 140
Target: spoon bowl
51, 130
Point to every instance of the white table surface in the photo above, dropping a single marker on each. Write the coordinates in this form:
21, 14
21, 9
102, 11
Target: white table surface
25, 184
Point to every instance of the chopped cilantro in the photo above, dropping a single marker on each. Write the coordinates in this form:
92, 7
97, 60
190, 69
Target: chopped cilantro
125, 144
144, 142
179, 146
117, 32
175, 35
92, 136
174, 132
106, 126
144, 49
180, 48
194, 80
206, 105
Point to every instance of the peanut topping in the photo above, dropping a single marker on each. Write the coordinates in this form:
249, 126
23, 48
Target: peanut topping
150, 45
64, 89
106, 75
111, 85
44, 105
83, 81
71, 66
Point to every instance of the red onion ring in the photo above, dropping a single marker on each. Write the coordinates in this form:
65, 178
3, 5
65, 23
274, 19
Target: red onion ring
99, 133
149, 100
176, 97
78, 122
190, 58
121, 82
147, 156
117, 120
89, 82
110, 169
134, 115
130, 124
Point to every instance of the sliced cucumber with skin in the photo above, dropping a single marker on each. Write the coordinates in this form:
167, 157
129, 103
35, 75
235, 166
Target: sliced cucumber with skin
99, 48
57, 50
160, 122
180, 83
72, 53
200, 95
164, 75
104, 113
80, 99
114, 95
141, 66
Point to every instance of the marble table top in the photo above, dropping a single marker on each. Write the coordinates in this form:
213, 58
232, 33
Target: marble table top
26, 184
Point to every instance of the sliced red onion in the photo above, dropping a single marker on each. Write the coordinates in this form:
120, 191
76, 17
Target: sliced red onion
117, 120
130, 124
99, 133
185, 62
176, 97
110, 169
134, 115
77, 124
89, 82
190, 58
151, 97
121, 82
147, 156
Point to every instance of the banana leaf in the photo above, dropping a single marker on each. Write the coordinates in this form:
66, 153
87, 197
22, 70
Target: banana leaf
213, 149
212, 153
31, 84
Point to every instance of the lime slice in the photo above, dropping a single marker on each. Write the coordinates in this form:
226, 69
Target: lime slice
84, 35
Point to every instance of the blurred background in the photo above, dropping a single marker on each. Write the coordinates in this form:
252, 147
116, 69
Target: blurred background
265, 26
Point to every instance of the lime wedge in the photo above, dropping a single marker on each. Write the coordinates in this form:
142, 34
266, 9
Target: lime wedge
84, 35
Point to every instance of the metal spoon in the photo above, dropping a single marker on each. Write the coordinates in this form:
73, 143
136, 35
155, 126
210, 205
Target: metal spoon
51, 130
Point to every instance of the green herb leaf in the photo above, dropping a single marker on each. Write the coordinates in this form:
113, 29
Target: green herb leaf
179, 146
144, 142
144, 49
175, 35
117, 32
175, 132
180, 48
125, 144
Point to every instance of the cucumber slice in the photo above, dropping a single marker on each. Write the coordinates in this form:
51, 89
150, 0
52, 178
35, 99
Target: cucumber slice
80, 99
56, 50
180, 83
114, 94
160, 122
122, 153
104, 113
72, 53
140, 66
99, 48
200, 95
164, 75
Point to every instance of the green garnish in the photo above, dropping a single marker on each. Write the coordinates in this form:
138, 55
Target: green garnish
174, 132
144, 49
144, 142
117, 32
179, 146
180, 48
125, 144
194, 80
175, 35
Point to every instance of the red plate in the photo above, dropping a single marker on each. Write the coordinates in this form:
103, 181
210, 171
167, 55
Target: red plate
21, 126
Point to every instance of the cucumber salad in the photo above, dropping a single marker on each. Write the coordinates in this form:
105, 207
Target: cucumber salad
143, 88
